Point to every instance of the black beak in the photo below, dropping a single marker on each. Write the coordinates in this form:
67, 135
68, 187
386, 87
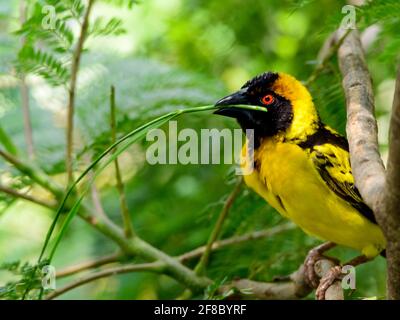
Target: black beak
237, 98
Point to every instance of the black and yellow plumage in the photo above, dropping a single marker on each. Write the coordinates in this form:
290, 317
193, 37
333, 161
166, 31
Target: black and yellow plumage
301, 166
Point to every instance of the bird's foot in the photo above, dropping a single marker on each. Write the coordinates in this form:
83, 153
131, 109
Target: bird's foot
335, 273
315, 254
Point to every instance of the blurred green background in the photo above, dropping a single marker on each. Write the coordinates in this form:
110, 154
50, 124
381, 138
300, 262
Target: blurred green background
177, 54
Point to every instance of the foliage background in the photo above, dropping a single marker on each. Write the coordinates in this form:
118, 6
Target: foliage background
175, 54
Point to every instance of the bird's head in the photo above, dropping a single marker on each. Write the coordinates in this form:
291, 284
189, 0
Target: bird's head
290, 110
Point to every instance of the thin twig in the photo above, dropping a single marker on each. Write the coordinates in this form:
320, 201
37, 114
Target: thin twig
96, 201
126, 218
25, 94
34, 173
369, 36
27, 118
157, 267
256, 235
71, 270
97, 204
98, 211
217, 228
16, 194
71, 92
328, 50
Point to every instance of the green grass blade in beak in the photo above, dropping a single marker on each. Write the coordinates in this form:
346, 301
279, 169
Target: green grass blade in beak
237, 98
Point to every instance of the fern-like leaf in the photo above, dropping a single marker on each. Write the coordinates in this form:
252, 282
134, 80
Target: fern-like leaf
42, 63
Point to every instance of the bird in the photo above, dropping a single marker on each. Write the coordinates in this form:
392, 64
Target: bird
301, 167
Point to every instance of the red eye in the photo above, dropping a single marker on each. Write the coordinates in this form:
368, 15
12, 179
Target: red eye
268, 99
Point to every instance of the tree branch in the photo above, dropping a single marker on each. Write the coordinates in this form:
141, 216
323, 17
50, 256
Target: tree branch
158, 264
34, 173
333, 43
98, 207
369, 36
150, 267
217, 228
71, 92
25, 95
68, 271
392, 199
16, 194
27, 118
295, 287
256, 235
328, 50
379, 189
362, 132
184, 257
126, 218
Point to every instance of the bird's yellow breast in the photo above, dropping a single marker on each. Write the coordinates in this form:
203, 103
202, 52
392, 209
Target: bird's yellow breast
286, 178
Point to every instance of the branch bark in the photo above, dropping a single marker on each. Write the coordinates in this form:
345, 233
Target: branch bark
236, 240
68, 271
71, 92
126, 218
34, 173
362, 131
380, 189
392, 199
16, 194
295, 287
25, 95
157, 267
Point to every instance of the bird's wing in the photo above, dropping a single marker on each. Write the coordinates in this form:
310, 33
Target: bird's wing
333, 164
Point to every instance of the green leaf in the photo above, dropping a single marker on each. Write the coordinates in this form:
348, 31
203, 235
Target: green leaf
7, 142
122, 3
44, 64
101, 28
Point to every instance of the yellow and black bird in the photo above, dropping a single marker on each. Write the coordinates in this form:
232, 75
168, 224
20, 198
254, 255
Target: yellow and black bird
302, 166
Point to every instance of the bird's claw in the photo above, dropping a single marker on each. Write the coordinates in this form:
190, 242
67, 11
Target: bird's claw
335, 273
311, 278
